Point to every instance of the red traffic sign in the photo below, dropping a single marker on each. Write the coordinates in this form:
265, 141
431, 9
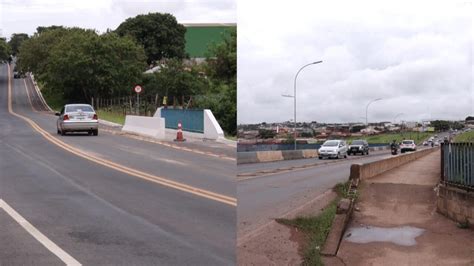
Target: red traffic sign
138, 89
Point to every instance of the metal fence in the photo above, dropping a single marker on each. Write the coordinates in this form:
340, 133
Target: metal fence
147, 105
457, 164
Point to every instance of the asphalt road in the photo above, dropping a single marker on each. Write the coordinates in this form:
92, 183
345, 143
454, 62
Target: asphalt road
129, 203
270, 190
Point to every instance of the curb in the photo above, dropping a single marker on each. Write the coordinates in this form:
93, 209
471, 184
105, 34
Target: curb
38, 91
110, 124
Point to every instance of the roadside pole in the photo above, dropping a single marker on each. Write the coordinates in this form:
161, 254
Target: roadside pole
138, 89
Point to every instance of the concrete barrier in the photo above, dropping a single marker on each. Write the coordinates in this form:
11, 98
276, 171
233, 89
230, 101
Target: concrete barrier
143, 125
272, 156
369, 170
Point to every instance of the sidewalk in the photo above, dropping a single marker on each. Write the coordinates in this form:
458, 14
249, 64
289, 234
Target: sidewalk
397, 222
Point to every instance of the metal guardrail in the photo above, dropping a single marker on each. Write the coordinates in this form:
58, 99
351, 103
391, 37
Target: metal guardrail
457, 165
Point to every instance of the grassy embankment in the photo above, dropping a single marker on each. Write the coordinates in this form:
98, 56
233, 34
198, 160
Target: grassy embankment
316, 228
465, 137
56, 102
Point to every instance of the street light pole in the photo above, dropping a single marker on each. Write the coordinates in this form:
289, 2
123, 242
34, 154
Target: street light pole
367, 109
294, 97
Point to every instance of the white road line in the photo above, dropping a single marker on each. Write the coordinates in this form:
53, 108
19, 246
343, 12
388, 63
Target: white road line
55, 249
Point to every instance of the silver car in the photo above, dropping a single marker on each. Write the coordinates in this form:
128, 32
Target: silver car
333, 149
77, 118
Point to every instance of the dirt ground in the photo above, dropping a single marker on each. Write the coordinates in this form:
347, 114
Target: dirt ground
278, 244
406, 196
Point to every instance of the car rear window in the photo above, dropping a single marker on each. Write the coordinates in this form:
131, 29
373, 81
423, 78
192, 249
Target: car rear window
407, 142
77, 108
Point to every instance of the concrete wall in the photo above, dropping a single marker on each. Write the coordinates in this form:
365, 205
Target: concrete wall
456, 204
271, 156
369, 170
212, 129
143, 125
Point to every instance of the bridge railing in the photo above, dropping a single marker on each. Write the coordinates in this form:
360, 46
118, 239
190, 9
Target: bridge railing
457, 165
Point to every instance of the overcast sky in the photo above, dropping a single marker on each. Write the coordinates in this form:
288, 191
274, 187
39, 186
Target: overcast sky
416, 56
25, 15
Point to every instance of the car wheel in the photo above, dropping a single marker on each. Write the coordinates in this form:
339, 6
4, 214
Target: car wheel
320, 158
367, 152
63, 132
95, 132
58, 131
345, 156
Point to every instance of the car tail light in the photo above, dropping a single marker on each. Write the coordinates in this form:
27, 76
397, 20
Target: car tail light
66, 117
95, 117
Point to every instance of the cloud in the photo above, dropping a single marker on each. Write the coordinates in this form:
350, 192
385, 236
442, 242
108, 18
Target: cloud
26, 15
417, 57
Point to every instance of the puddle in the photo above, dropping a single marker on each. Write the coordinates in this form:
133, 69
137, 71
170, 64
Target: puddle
403, 236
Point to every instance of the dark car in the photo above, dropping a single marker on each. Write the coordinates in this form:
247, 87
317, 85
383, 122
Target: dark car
358, 146
16, 75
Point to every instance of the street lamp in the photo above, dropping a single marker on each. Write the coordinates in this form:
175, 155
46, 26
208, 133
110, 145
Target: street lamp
294, 96
367, 109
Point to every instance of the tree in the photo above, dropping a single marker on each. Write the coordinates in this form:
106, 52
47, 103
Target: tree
79, 64
4, 50
221, 96
86, 65
42, 29
175, 79
34, 52
16, 40
222, 58
266, 133
160, 35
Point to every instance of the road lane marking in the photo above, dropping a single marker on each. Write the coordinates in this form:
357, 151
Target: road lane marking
29, 98
142, 138
138, 137
127, 170
40, 237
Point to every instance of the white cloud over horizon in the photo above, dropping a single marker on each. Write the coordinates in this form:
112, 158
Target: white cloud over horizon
416, 56
24, 16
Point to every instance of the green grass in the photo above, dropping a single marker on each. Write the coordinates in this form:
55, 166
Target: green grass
465, 137
418, 137
54, 100
231, 137
112, 116
316, 229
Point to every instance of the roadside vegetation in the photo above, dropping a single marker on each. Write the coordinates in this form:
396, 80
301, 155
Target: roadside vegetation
4, 50
81, 65
316, 228
465, 137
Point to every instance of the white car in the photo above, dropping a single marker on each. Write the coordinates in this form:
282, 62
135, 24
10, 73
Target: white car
333, 149
407, 145
77, 118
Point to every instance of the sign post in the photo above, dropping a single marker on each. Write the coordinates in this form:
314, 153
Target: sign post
138, 89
